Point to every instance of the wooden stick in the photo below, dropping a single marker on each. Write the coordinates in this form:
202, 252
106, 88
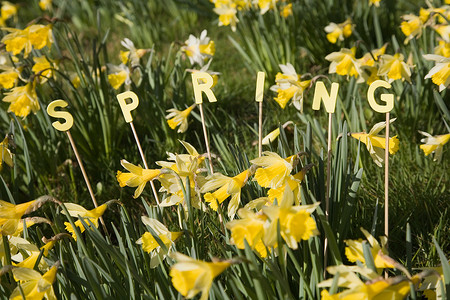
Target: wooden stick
200, 105
86, 179
386, 180
260, 129
327, 195
155, 194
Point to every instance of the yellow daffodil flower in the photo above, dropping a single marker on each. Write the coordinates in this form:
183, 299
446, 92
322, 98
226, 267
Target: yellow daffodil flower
34, 285
138, 177
40, 35
274, 169
8, 78
11, 214
272, 136
179, 118
79, 211
23, 100
344, 62
198, 50
370, 58
43, 68
226, 186
394, 67
377, 288
434, 144
340, 31
354, 250
227, 14
151, 245
411, 27
376, 144
8, 10
289, 86
118, 75
286, 10
251, 228
191, 276
45, 4
440, 73
376, 3
7, 156
291, 185
442, 49
205, 68
133, 55
184, 165
295, 222
443, 31
37, 36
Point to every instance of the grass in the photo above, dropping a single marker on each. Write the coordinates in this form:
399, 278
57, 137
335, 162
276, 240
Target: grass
87, 37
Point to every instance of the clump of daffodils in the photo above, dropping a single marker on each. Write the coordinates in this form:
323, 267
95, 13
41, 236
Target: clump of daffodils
228, 9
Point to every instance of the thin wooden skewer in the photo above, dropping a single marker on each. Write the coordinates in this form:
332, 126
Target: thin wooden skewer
327, 195
144, 160
200, 105
260, 129
386, 179
86, 179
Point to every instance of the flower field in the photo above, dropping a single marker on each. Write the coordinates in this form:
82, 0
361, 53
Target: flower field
225, 149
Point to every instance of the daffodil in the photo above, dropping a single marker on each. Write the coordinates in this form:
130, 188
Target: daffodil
11, 214
376, 3
394, 67
182, 166
295, 222
191, 276
344, 62
133, 55
226, 186
227, 13
286, 10
274, 169
179, 118
43, 67
354, 250
23, 100
291, 185
442, 49
40, 36
265, 5
289, 86
376, 144
7, 156
443, 31
8, 10
198, 50
8, 78
411, 27
118, 75
434, 144
440, 73
273, 135
33, 285
79, 211
45, 4
28, 222
370, 58
138, 177
151, 245
251, 228
340, 31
